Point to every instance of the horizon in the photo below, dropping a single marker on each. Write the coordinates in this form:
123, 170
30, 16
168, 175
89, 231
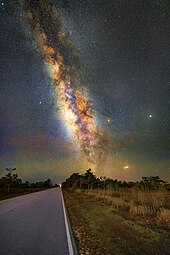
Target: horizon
81, 173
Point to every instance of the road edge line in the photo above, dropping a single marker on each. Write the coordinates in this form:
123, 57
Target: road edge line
70, 246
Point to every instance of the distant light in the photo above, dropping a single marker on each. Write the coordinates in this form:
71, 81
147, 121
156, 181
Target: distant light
60, 185
2, 3
150, 116
40, 102
126, 167
108, 120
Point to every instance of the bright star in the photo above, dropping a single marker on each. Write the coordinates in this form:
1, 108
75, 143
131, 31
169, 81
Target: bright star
2, 4
40, 102
150, 116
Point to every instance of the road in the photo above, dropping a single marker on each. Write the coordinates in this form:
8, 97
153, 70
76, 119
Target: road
33, 224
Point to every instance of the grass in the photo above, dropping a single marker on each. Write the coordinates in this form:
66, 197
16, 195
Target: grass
143, 230
102, 224
14, 192
137, 203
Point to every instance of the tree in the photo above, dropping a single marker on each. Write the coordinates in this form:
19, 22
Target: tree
153, 182
47, 183
73, 181
90, 179
9, 177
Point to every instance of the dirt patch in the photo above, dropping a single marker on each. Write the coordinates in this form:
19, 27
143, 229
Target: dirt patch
100, 229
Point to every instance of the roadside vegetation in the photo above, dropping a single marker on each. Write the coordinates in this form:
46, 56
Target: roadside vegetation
114, 217
11, 185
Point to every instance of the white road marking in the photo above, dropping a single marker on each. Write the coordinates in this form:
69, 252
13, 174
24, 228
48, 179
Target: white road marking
70, 246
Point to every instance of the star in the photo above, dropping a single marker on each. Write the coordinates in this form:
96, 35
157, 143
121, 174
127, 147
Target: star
150, 116
40, 102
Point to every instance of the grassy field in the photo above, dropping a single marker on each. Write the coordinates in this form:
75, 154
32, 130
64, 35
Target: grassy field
119, 222
145, 205
15, 192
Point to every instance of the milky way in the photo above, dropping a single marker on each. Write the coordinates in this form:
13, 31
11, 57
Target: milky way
66, 74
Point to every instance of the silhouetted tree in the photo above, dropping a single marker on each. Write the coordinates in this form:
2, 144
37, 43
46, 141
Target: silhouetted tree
47, 183
89, 181
153, 182
9, 177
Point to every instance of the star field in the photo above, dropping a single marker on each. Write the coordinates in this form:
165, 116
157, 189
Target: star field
123, 53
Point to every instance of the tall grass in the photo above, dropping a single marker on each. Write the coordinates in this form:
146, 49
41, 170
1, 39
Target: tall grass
141, 203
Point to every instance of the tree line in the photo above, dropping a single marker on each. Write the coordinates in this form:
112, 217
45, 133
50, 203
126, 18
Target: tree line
12, 181
88, 180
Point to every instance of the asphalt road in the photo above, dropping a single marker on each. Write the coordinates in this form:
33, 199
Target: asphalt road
33, 225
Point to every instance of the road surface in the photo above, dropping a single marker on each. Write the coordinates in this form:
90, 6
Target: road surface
33, 224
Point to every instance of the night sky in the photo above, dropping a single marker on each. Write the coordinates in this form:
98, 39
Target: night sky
85, 84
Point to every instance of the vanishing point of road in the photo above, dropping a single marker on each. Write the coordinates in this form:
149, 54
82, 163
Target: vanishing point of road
34, 224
